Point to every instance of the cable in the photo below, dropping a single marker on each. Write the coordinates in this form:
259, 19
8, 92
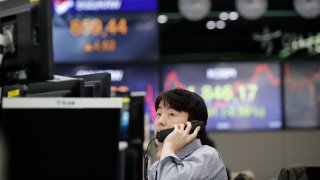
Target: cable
146, 160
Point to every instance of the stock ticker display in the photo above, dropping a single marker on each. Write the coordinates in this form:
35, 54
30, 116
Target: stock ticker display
104, 31
302, 95
239, 96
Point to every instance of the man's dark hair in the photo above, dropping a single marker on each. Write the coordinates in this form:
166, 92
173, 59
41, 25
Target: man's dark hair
184, 100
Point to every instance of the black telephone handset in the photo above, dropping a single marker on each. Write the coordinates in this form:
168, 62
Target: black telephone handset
161, 135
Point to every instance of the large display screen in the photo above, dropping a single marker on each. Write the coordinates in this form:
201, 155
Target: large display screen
239, 96
87, 31
302, 95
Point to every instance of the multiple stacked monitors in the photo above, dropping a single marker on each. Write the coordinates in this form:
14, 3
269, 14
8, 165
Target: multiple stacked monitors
125, 31
87, 31
25, 41
239, 96
302, 94
135, 77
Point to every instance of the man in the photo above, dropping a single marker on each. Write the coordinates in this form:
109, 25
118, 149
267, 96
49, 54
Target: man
182, 155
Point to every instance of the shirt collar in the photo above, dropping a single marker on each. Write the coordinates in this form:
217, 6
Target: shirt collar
189, 148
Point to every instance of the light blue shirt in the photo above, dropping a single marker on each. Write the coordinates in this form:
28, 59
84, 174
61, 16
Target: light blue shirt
194, 162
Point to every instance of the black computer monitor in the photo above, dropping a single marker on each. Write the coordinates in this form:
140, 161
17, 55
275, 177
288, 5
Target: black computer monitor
135, 136
63, 88
125, 114
26, 33
132, 131
136, 109
125, 119
61, 138
97, 85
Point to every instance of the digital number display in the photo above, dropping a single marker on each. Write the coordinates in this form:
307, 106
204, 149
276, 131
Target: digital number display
88, 33
95, 27
239, 96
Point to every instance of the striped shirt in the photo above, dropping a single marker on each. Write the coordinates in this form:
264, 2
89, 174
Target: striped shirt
194, 162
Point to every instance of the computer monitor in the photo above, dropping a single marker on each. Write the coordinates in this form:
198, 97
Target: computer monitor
97, 85
125, 119
125, 114
132, 132
26, 53
136, 109
63, 88
61, 138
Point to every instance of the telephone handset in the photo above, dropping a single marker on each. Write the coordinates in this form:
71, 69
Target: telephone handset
161, 135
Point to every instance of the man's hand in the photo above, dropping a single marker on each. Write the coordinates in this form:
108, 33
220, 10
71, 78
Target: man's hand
178, 138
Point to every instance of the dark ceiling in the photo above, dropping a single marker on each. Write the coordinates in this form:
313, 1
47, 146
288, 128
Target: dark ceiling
182, 37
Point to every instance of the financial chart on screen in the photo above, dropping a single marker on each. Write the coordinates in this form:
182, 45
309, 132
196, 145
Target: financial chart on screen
302, 95
239, 96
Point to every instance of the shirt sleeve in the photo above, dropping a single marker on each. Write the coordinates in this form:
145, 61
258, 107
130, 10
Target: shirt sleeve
203, 164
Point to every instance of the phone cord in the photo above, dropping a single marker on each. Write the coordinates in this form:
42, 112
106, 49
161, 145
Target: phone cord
146, 160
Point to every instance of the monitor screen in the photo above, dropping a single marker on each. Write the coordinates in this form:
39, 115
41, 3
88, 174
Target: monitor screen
59, 138
25, 41
239, 95
302, 94
125, 119
105, 31
97, 85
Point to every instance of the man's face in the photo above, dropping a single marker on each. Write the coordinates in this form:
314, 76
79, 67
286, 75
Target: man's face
167, 117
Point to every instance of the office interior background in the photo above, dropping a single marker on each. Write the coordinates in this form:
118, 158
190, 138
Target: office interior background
255, 63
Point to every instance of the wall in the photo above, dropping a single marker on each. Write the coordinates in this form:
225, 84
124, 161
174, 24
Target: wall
265, 153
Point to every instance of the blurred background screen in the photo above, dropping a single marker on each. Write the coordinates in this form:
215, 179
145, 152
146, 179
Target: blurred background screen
105, 31
239, 96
